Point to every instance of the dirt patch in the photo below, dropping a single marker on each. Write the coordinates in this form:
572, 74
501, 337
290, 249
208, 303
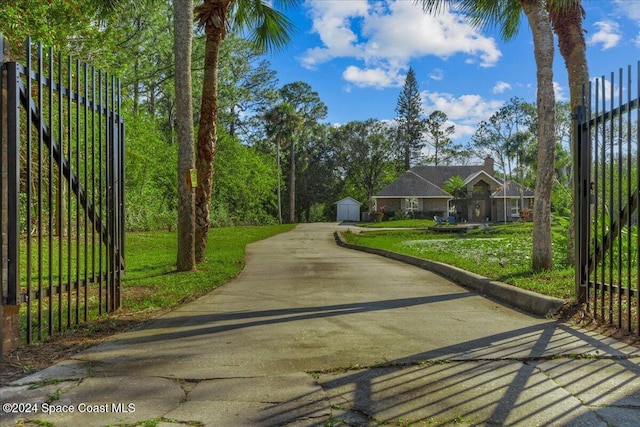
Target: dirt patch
28, 359
578, 315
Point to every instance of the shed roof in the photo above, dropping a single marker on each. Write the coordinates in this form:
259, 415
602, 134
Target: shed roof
348, 199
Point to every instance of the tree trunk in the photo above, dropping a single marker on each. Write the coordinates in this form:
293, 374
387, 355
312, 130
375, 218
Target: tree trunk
567, 25
183, 30
279, 181
407, 157
207, 139
543, 50
292, 184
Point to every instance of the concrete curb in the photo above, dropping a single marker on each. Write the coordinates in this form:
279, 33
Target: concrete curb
531, 302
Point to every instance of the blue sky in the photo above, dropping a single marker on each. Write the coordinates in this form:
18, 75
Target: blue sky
355, 54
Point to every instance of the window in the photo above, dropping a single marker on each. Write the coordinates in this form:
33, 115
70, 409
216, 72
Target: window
515, 208
411, 205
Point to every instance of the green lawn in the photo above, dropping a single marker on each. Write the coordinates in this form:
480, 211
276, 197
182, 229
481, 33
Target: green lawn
501, 252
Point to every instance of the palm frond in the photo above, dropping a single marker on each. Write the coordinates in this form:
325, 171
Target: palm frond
215, 13
269, 29
559, 7
502, 14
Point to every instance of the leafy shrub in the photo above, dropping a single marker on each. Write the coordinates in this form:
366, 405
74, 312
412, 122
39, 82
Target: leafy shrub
400, 215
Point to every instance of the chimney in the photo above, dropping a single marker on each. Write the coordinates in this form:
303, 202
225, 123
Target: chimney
488, 165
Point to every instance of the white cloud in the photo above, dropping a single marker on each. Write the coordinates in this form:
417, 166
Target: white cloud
385, 35
608, 34
437, 74
465, 111
332, 22
559, 93
501, 87
372, 77
629, 8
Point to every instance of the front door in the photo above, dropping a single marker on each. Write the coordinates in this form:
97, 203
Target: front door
479, 211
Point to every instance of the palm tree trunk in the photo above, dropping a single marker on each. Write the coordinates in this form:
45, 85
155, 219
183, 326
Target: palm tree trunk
292, 184
567, 24
207, 139
543, 50
279, 168
183, 30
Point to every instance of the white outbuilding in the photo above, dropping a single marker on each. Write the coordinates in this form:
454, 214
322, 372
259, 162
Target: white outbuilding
348, 209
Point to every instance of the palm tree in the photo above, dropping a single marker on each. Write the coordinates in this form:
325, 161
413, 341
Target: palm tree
269, 29
506, 14
282, 123
456, 187
566, 19
183, 33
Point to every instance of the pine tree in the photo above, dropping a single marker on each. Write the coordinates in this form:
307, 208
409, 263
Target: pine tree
409, 117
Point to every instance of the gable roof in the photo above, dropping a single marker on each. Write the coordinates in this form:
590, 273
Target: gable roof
485, 174
512, 190
348, 199
410, 184
438, 175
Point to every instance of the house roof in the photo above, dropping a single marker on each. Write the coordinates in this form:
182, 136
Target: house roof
438, 175
512, 190
410, 184
484, 174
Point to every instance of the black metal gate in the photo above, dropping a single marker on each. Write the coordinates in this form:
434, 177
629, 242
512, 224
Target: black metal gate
62, 191
606, 200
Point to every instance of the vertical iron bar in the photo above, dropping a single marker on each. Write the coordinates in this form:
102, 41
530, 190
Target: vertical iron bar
13, 185
596, 189
115, 134
638, 208
581, 146
69, 191
587, 197
628, 198
593, 133
86, 199
3, 167
110, 189
110, 194
604, 201
40, 164
122, 182
611, 200
108, 200
50, 192
77, 186
120, 188
93, 180
620, 206
60, 190
28, 179
100, 189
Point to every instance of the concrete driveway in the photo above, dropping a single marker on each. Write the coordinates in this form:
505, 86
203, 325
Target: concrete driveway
314, 334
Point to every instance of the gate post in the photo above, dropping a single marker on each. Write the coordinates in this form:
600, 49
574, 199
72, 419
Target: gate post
9, 308
3, 195
582, 203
